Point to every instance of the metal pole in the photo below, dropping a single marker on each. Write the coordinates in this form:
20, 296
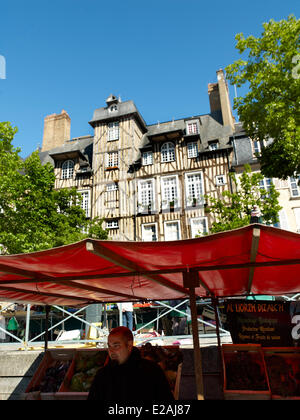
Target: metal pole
27, 328
47, 326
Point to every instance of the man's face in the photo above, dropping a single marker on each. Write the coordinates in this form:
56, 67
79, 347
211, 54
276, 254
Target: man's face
119, 348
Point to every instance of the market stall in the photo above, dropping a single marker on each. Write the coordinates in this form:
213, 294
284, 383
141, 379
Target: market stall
252, 260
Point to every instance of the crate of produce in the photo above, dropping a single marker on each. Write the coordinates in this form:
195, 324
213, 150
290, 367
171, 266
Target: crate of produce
50, 374
283, 369
169, 359
245, 376
81, 373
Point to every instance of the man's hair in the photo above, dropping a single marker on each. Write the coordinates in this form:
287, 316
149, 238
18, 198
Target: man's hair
124, 331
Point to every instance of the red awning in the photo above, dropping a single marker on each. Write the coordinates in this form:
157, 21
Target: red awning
255, 259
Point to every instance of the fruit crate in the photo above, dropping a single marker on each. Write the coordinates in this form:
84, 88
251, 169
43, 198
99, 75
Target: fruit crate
83, 362
283, 369
51, 359
245, 376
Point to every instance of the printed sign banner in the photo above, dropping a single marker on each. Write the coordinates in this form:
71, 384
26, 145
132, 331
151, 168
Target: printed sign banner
271, 324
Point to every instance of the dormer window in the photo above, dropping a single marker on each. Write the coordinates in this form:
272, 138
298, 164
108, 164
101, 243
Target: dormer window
167, 152
67, 169
113, 108
213, 145
192, 128
113, 131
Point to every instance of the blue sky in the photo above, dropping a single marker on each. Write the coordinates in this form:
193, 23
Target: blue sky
72, 54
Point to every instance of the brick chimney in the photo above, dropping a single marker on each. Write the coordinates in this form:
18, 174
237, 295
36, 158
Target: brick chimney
57, 129
219, 100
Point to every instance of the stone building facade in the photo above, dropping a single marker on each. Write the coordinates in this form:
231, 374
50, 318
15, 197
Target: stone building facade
148, 181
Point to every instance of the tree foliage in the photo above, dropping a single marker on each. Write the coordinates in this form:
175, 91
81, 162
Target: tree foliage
33, 215
270, 109
233, 209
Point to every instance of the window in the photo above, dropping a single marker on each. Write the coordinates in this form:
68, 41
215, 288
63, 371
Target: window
266, 184
213, 145
192, 149
220, 180
85, 204
113, 131
295, 191
283, 221
192, 128
198, 226
112, 186
112, 224
194, 189
168, 152
113, 108
147, 158
112, 159
67, 169
149, 232
169, 192
256, 147
172, 230
297, 218
146, 195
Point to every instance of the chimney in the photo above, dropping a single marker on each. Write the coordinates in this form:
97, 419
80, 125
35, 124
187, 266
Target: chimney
57, 129
219, 100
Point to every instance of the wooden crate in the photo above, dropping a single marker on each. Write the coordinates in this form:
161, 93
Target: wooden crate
288, 369
49, 357
65, 392
251, 353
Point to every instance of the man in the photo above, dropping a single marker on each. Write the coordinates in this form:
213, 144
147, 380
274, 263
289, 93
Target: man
127, 314
128, 377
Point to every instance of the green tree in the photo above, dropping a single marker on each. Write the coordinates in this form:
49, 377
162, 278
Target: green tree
270, 108
33, 215
233, 209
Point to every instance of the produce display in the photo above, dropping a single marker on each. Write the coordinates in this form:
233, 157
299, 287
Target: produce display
243, 372
54, 376
85, 368
284, 375
167, 358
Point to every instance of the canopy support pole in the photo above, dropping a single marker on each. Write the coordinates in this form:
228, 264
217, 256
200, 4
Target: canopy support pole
47, 326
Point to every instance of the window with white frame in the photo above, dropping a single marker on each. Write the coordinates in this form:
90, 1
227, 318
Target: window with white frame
146, 195
112, 186
67, 169
147, 158
149, 232
294, 187
297, 218
113, 131
194, 189
220, 180
192, 127
167, 152
283, 220
112, 159
112, 224
85, 203
192, 149
266, 184
198, 226
172, 230
169, 192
